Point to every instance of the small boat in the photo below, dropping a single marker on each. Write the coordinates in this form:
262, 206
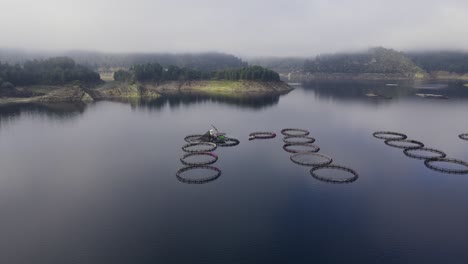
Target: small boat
373, 95
432, 96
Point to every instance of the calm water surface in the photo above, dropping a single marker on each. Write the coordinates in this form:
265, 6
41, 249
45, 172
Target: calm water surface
96, 183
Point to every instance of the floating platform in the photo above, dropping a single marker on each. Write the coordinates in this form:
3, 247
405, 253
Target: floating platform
378, 96
432, 96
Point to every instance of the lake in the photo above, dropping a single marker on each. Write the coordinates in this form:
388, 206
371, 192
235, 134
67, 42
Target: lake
97, 183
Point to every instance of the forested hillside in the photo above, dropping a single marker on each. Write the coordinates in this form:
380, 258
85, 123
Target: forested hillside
376, 60
53, 71
449, 61
279, 64
210, 61
154, 72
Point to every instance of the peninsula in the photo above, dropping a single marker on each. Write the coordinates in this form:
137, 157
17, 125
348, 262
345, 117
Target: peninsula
61, 80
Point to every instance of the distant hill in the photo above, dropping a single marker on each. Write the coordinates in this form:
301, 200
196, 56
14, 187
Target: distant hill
450, 61
210, 61
279, 64
376, 63
52, 71
376, 60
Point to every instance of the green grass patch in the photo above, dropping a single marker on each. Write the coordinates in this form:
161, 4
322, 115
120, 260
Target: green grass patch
226, 88
41, 88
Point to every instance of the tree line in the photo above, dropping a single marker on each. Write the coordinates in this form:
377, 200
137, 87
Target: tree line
53, 71
156, 73
450, 61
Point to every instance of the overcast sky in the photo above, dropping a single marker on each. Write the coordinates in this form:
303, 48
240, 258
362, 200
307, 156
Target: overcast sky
242, 27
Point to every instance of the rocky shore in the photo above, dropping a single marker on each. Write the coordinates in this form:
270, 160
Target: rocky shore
119, 90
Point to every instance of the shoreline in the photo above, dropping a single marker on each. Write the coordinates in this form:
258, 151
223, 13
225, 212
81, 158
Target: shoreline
118, 90
433, 76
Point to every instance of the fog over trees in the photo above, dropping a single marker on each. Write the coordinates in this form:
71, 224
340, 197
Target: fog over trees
53, 71
154, 72
209, 61
244, 28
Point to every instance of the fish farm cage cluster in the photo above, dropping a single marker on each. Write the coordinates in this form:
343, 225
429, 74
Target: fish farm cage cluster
195, 151
200, 156
296, 141
416, 150
305, 153
262, 135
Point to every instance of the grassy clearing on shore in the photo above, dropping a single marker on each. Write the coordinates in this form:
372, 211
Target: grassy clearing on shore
107, 76
40, 88
233, 88
13, 100
222, 87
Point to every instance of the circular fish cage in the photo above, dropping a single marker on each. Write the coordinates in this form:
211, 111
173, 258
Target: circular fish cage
430, 165
307, 159
186, 179
463, 136
213, 158
193, 138
294, 132
353, 174
289, 147
298, 139
228, 142
389, 135
411, 153
209, 147
404, 143
262, 135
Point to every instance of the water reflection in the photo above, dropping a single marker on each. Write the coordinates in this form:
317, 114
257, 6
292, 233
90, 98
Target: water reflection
177, 101
381, 91
107, 180
53, 111
66, 110
345, 90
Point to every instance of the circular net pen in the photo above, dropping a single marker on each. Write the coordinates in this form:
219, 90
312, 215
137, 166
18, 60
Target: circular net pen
389, 135
193, 138
196, 147
446, 165
198, 174
294, 132
404, 143
418, 153
300, 147
228, 142
262, 135
332, 174
463, 136
199, 158
298, 139
311, 159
